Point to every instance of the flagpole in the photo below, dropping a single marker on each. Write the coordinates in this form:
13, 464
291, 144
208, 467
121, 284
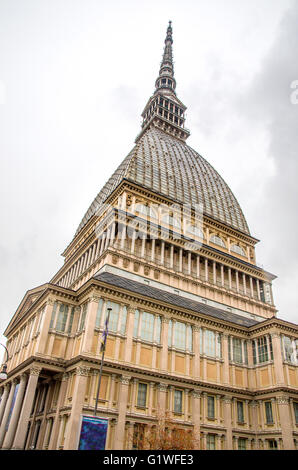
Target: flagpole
102, 358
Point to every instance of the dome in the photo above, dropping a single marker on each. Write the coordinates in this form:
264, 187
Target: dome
168, 166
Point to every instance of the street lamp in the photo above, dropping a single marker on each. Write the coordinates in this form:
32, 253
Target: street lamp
3, 373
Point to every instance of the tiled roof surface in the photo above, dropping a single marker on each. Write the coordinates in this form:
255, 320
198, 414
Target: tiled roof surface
171, 168
173, 299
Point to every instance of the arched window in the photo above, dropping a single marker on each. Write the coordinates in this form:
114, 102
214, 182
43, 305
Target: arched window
217, 241
238, 249
196, 231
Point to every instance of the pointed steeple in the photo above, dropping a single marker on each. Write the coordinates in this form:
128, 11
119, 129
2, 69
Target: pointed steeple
166, 73
164, 110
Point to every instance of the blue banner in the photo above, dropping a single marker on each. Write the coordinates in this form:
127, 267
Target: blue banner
93, 433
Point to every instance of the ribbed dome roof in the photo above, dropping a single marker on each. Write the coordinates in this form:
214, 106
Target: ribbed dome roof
170, 167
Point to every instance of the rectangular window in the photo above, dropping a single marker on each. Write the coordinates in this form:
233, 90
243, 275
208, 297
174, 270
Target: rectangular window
268, 410
272, 444
180, 335
114, 315
241, 443
142, 395
210, 349
62, 318
147, 326
262, 349
189, 339
158, 329
123, 320
53, 315
290, 349
270, 347
136, 324
245, 353
237, 350
240, 412
178, 401
296, 411
210, 442
254, 352
210, 411
83, 317
99, 313
71, 320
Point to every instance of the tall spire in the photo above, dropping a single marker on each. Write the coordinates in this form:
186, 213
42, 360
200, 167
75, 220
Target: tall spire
164, 110
166, 73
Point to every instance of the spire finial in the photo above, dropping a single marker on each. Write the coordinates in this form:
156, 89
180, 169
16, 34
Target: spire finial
164, 110
167, 66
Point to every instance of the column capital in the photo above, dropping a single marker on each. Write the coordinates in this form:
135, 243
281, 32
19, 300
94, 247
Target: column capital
196, 394
94, 298
196, 328
83, 371
253, 403
35, 370
282, 400
162, 387
165, 319
227, 400
125, 379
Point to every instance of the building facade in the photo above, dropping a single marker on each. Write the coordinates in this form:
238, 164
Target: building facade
193, 331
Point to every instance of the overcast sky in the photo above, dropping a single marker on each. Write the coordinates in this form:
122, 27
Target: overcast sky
75, 76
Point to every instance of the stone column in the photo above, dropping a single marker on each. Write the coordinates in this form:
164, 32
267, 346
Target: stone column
129, 334
153, 249
186, 410
150, 398
225, 355
112, 390
122, 409
214, 273
164, 342
258, 289
162, 255
198, 266
228, 422
206, 270
161, 399
285, 422
230, 278
20, 436
90, 324
78, 400
172, 256
6, 412
278, 359
196, 350
180, 259
3, 401
60, 402
222, 273
244, 283
204, 447
44, 327
189, 263
9, 437
196, 417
